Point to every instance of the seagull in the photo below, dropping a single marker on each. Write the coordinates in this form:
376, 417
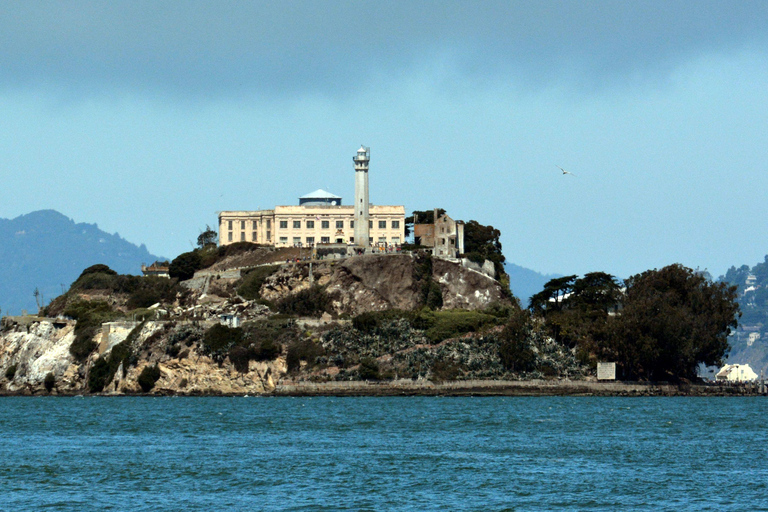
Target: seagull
564, 171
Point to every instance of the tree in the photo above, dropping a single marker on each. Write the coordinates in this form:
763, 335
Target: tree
672, 320
207, 237
185, 265
553, 296
482, 242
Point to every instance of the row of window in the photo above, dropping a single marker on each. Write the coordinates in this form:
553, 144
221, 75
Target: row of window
254, 236
242, 224
310, 240
326, 224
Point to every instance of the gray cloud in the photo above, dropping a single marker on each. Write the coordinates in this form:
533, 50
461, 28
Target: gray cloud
204, 48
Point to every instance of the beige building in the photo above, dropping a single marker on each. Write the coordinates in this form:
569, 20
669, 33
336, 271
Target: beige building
319, 218
445, 236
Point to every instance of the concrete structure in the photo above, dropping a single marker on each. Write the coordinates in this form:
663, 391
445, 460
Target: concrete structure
445, 236
317, 220
736, 373
362, 214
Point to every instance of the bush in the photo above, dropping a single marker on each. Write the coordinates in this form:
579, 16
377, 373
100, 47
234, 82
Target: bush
185, 264
309, 302
302, 350
97, 378
104, 369
89, 315
148, 377
250, 285
450, 324
514, 344
219, 339
240, 356
369, 369
10, 372
98, 268
49, 382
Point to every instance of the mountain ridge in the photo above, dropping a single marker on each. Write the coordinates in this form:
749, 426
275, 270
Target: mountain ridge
46, 250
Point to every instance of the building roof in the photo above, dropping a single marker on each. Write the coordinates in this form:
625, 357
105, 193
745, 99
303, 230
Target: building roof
320, 194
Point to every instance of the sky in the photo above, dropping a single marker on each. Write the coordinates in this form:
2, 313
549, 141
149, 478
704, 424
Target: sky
149, 117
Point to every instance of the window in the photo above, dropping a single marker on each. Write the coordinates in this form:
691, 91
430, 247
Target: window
351, 239
325, 240
339, 240
382, 224
370, 224
283, 224
382, 240
370, 240
297, 240
254, 238
297, 224
269, 224
242, 224
325, 224
269, 235
254, 225
442, 230
229, 238
310, 240
395, 239
310, 224
284, 240
230, 225
352, 224
395, 224
242, 235
339, 224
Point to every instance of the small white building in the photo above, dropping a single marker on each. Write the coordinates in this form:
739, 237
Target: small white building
736, 373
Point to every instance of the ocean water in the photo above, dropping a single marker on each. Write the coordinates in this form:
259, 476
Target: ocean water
409, 453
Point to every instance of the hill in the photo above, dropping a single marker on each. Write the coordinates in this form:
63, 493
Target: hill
47, 250
525, 282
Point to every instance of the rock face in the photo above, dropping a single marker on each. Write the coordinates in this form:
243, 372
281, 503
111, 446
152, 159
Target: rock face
379, 282
39, 346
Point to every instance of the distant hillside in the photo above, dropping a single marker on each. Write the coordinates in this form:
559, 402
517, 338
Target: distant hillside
749, 345
47, 250
525, 282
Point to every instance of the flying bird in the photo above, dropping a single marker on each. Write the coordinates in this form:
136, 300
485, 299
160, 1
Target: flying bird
564, 171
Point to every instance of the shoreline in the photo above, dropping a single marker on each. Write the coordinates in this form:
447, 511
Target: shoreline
406, 387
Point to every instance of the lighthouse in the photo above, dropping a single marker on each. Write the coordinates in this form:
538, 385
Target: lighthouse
362, 218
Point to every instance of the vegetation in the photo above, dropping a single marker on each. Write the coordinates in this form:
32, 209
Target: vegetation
104, 369
308, 302
431, 294
303, 349
482, 243
369, 369
662, 327
49, 382
148, 377
219, 339
250, 285
89, 315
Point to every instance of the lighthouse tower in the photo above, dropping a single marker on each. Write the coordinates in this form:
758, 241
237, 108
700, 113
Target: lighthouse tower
362, 233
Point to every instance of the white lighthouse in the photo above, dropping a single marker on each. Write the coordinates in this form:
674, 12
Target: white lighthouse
362, 218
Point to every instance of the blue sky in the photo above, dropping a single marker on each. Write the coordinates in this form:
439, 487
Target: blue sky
149, 117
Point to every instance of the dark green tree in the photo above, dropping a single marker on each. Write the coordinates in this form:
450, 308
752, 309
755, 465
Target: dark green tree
672, 320
184, 265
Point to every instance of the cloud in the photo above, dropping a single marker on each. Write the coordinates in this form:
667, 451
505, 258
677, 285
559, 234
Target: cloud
334, 48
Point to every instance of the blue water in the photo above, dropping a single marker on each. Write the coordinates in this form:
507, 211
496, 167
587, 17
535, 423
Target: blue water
419, 453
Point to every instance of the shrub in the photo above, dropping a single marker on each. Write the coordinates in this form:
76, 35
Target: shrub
10, 372
240, 357
250, 285
98, 268
514, 347
185, 264
450, 324
148, 377
302, 350
219, 339
369, 369
49, 382
89, 315
309, 302
97, 378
